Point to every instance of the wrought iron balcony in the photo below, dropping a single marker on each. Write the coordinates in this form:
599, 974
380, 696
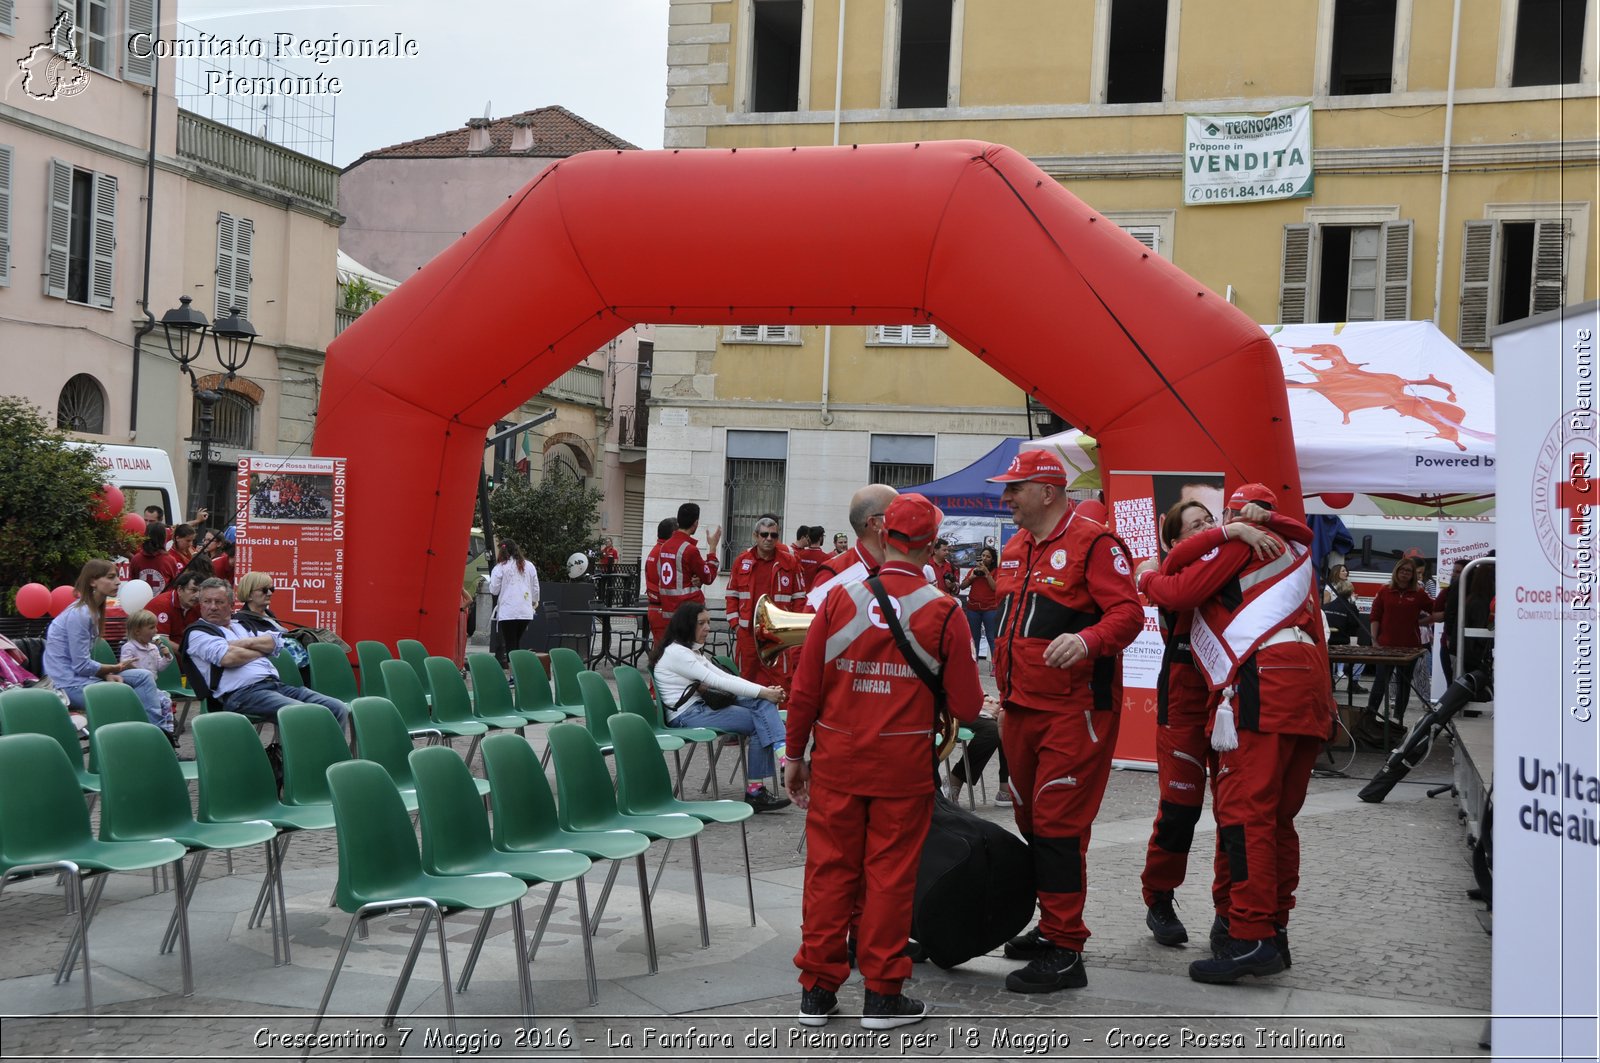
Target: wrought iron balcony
633, 425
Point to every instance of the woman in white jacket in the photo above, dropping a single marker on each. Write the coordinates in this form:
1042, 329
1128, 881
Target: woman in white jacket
515, 582
679, 664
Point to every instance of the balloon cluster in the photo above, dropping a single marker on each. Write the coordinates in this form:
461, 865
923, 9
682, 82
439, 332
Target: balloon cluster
35, 600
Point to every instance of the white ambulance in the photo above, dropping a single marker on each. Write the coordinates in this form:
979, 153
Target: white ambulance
143, 474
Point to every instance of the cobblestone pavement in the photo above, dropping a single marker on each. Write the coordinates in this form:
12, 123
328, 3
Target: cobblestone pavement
1390, 960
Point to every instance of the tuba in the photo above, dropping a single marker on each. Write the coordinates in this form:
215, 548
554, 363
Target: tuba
777, 630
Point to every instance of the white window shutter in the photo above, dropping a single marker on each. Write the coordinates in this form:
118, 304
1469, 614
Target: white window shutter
103, 242
750, 333
64, 42
225, 265
8, 22
1294, 290
1396, 272
1148, 235
58, 230
243, 239
1480, 259
5, 211
891, 333
141, 19
1549, 265
924, 334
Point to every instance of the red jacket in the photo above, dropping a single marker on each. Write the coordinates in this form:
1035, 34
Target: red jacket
855, 565
810, 557
158, 569
873, 719
1398, 615
751, 577
170, 619
1078, 580
678, 564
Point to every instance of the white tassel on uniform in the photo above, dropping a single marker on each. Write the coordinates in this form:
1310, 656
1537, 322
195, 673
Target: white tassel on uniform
1223, 735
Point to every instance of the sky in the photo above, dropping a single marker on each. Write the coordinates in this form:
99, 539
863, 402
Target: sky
605, 60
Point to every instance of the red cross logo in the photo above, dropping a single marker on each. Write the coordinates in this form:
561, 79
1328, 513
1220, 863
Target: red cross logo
1581, 489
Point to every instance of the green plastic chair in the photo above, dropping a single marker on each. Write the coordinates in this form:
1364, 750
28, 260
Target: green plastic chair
380, 871
369, 655
288, 672
533, 698
237, 786
331, 673
645, 789
633, 695
312, 743
588, 803
40, 712
101, 653
415, 654
452, 703
565, 667
455, 841
143, 797
381, 737
406, 695
713, 748
598, 708
107, 703
44, 829
491, 694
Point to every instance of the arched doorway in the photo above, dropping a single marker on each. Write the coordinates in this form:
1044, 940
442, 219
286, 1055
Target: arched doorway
967, 236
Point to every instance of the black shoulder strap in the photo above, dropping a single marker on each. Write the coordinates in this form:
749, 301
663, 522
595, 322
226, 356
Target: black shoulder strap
891, 620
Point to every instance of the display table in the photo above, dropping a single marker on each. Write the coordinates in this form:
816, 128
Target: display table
1374, 655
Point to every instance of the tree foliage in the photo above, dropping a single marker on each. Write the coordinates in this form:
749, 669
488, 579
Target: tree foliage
49, 495
551, 520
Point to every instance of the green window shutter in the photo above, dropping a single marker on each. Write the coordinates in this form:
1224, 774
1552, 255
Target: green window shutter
1396, 277
1294, 282
243, 238
103, 242
141, 19
1480, 259
1549, 265
225, 265
58, 230
5, 212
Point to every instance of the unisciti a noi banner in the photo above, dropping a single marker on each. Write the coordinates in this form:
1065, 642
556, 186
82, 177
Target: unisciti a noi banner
1547, 725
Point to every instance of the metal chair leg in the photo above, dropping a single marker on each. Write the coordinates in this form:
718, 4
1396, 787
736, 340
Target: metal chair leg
544, 920
181, 904
749, 883
605, 895
170, 938
649, 921
661, 867
69, 955
477, 946
430, 912
588, 946
333, 976
519, 935
700, 891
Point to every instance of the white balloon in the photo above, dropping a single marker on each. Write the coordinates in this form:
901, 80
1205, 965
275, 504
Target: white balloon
577, 565
134, 595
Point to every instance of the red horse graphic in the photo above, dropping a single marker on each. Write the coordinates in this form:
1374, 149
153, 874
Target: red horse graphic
1351, 387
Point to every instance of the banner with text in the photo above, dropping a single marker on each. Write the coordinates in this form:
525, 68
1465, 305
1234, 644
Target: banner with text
1246, 158
291, 526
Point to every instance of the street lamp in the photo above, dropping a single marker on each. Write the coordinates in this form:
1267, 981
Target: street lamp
185, 330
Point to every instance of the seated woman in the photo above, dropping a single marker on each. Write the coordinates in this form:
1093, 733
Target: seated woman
69, 649
682, 670
255, 591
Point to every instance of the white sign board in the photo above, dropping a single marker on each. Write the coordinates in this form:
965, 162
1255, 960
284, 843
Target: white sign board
1247, 158
1547, 730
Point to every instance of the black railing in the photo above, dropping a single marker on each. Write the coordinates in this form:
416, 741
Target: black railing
617, 585
633, 426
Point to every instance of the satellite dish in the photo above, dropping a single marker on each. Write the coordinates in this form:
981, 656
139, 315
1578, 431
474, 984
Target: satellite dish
577, 565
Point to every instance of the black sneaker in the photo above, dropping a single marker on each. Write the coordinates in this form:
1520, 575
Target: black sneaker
1219, 934
915, 950
885, 1012
1280, 941
1027, 946
1054, 968
816, 1004
763, 801
1164, 922
1235, 960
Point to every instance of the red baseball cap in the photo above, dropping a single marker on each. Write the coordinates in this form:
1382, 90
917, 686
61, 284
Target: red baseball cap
1245, 494
913, 520
1040, 466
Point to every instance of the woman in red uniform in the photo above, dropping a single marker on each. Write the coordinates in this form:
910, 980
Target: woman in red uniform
1399, 610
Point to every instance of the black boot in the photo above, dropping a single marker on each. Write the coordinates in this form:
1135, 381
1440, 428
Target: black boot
1236, 959
1055, 968
1164, 922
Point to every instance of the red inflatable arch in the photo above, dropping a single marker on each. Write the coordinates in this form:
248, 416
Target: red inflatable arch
970, 236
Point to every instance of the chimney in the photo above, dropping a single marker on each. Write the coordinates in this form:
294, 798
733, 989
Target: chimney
521, 134
477, 135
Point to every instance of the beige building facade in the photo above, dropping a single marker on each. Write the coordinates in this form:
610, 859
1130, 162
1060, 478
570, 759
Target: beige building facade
1455, 151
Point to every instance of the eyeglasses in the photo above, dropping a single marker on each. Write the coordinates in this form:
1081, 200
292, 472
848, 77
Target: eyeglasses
268, 590
767, 535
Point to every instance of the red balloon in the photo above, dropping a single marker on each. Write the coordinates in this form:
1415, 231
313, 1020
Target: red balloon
111, 501
133, 524
33, 600
1337, 501
61, 600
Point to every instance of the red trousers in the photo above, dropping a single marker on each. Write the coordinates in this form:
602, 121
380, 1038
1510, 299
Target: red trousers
1059, 763
866, 845
658, 624
751, 667
1260, 788
1183, 753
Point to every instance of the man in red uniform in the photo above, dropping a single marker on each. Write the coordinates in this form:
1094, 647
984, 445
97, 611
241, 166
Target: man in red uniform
768, 568
1067, 610
178, 606
680, 570
808, 543
867, 508
656, 616
1257, 637
873, 720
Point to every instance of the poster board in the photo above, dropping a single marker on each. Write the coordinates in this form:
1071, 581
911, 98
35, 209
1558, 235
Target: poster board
291, 524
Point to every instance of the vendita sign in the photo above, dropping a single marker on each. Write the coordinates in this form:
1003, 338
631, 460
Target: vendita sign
1231, 158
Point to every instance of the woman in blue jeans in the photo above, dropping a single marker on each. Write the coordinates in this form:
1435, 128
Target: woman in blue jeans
69, 648
682, 669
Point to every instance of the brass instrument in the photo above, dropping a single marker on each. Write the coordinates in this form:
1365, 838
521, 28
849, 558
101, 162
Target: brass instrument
777, 630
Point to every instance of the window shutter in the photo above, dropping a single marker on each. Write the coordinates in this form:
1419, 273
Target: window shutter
5, 208
891, 333
1549, 265
141, 19
1148, 235
751, 333
58, 230
225, 264
923, 334
1396, 273
8, 22
1294, 285
1479, 257
103, 242
243, 238
64, 40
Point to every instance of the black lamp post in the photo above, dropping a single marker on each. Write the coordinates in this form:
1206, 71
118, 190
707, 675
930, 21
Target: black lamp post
232, 338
